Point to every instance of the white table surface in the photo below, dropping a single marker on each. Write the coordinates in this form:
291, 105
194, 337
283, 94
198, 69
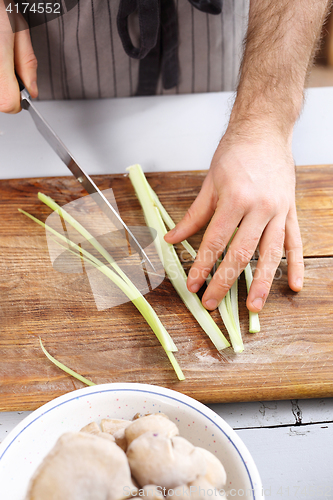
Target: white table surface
290, 441
161, 133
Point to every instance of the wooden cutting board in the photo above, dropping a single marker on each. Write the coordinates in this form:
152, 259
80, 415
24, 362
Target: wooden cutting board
292, 356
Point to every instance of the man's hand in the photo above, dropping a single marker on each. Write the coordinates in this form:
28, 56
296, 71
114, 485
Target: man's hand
251, 181
251, 184
16, 53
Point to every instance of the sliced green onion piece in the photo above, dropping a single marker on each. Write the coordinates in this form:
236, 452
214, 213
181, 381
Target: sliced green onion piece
139, 301
128, 288
232, 300
254, 326
235, 338
64, 367
228, 320
88, 236
170, 259
169, 222
175, 365
141, 307
228, 309
229, 315
234, 304
234, 329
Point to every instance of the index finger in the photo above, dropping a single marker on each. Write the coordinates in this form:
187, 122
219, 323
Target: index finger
214, 242
238, 256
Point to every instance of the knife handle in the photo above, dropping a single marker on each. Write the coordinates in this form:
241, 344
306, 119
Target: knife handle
25, 96
21, 84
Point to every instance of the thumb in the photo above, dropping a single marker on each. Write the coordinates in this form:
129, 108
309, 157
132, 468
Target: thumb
199, 213
26, 62
9, 90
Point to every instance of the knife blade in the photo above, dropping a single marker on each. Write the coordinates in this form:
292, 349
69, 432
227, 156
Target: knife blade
87, 183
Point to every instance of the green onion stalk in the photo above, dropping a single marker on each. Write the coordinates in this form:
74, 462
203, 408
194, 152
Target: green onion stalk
170, 260
118, 277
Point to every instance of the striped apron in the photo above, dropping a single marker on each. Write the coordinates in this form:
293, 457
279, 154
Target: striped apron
81, 56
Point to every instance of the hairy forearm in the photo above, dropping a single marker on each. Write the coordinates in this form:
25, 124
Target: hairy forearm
279, 48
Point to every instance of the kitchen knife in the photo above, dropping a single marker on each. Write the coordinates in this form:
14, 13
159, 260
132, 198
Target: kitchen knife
58, 146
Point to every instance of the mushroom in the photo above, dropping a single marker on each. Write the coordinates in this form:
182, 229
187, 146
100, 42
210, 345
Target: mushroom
169, 462
215, 474
196, 490
151, 491
112, 425
120, 439
105, 435
82, 465
157, 422
91, 428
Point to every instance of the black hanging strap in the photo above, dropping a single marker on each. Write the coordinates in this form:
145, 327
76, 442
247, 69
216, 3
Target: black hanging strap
158, 46
210, 6
169, 35
149, 22
149, 70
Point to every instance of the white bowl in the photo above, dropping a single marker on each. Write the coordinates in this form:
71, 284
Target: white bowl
26, 446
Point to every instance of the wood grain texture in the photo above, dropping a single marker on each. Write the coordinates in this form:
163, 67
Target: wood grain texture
292, 356
314, 200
